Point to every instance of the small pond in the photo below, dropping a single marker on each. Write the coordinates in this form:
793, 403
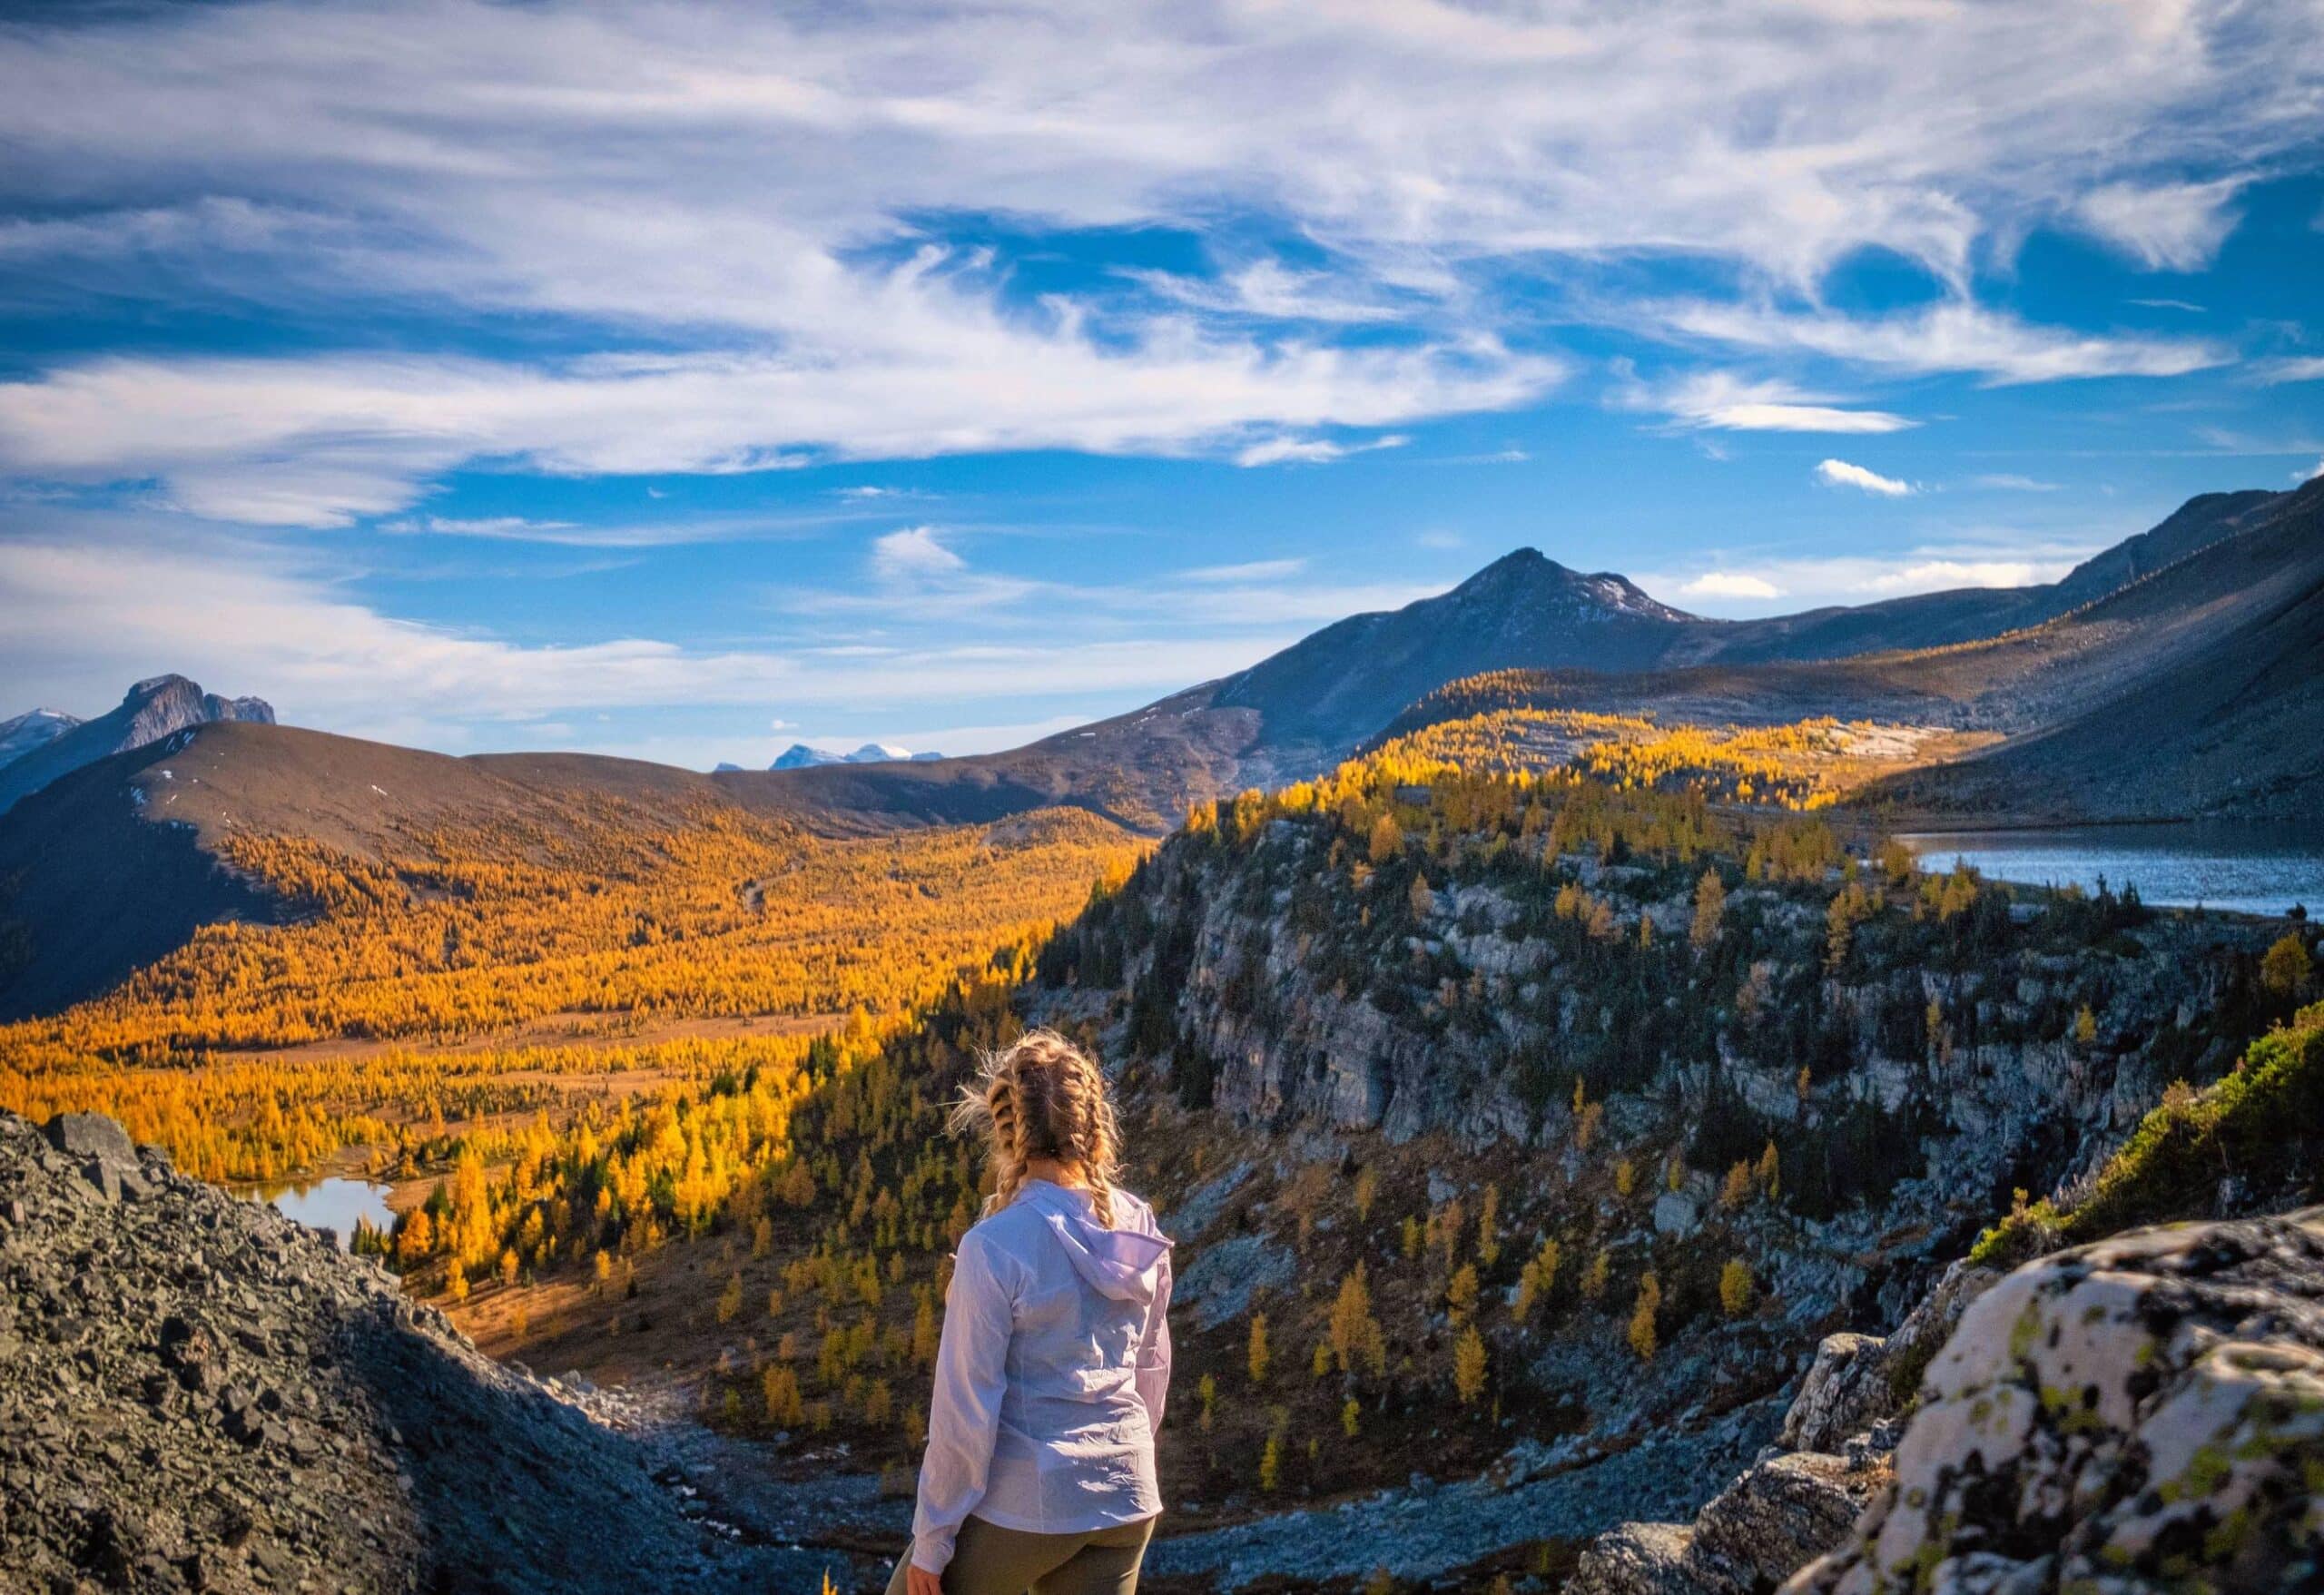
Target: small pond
334, 1203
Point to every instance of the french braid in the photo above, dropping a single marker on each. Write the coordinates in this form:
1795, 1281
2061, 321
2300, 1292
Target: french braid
1043, 1096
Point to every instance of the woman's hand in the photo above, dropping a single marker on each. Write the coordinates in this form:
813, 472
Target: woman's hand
919, 1580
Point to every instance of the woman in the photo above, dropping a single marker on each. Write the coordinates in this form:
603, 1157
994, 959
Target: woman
1056, 1355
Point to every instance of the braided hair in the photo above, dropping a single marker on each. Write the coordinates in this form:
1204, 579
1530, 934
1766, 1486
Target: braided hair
1043, 1096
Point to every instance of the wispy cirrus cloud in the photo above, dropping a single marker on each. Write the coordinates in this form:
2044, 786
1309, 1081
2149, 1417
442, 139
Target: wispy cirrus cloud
321, 443
2164, 227
1311, 450
1956, 336
1724, 402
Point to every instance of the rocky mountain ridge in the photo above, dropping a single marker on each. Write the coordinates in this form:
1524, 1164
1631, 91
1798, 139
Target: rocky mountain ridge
153, 709
197, 1393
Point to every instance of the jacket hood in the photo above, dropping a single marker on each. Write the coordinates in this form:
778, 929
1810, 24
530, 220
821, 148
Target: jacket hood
1123, 1264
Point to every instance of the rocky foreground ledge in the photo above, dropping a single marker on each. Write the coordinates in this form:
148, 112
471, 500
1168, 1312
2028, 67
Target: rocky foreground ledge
2144, 1413
198, 1394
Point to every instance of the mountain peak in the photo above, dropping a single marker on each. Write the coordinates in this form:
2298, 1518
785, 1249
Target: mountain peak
1529, 576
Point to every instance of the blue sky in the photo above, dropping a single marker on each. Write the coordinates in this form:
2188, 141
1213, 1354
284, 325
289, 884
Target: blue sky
687, 381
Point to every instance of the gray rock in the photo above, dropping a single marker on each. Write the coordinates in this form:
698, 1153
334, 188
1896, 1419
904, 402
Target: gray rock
90, 1135
1636, 1559
1677, 1213
1221, 1281
1778, 1516
1844, 1393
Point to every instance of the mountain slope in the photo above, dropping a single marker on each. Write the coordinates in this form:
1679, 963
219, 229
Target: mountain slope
152, 710
201, 1394
2221, 714
2214, 651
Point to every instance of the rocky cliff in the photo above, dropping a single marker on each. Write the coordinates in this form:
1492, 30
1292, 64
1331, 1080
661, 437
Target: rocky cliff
196, 1393
1657, 1101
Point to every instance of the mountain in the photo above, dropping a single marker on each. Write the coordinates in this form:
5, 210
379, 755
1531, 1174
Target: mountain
34, 730
153, 709
2214, 650
800, 756
2011, 660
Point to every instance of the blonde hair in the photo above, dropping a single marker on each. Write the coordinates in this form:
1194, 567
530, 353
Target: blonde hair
1043, 1096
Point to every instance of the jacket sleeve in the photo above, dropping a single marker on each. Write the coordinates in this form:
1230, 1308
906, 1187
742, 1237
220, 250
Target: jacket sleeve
1153, 1353
972, 1371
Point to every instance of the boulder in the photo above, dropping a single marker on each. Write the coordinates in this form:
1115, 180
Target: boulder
83, 1136
1844, 1393
1636, 1559
2145, 1413
1779, 1516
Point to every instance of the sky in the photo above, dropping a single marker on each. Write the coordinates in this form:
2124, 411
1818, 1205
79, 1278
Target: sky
682, 381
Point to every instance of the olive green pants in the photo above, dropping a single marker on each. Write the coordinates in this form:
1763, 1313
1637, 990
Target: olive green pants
988, 1560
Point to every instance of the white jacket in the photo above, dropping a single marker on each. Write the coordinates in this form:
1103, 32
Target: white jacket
1051, 1373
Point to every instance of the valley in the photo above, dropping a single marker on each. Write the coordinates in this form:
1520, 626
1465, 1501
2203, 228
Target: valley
1523, 1015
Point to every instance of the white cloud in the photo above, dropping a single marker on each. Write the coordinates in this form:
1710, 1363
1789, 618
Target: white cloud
1269, 290
1724, 402
515, 528
1781, 584
2167, 227
913, 555
1950, 337
1839, 473
2290, 369
1310, 451
321, 442
2010, 482
1728, 584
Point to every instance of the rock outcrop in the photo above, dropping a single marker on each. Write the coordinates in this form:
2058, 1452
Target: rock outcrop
197, 1393
2146, 1413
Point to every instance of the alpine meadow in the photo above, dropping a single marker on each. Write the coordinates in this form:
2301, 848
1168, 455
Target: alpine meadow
1433, 796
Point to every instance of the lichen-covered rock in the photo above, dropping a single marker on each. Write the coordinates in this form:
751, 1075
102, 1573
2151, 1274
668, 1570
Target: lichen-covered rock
2145, 1413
